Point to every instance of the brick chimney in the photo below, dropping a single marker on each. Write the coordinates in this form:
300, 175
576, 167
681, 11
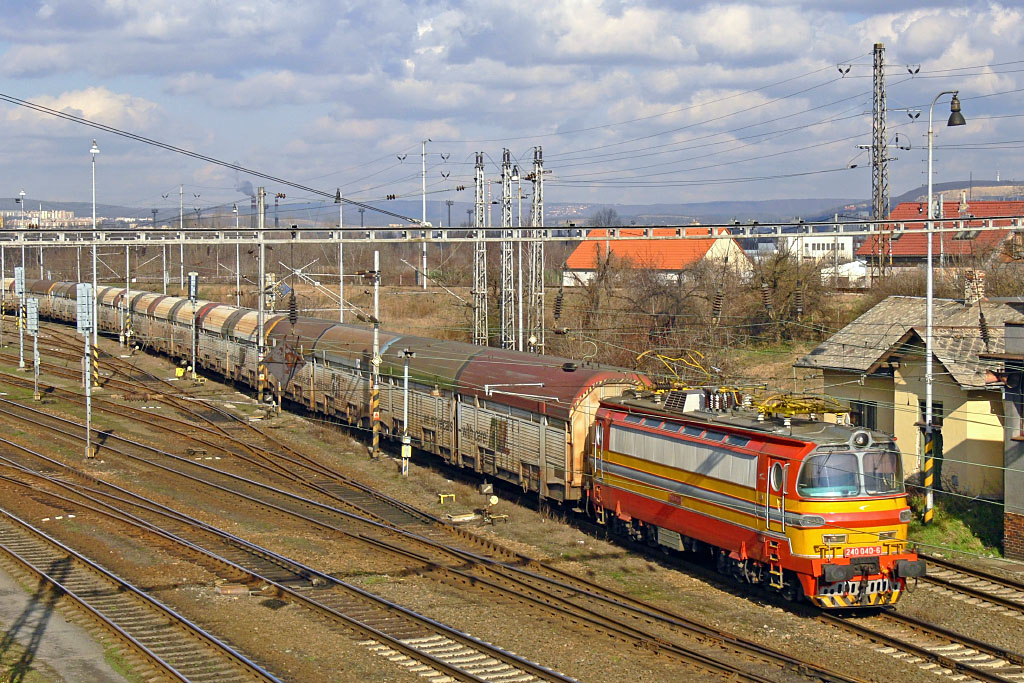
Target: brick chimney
974, 287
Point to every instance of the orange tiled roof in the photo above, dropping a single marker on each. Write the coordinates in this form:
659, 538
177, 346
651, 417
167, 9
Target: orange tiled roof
656, 254
914, 242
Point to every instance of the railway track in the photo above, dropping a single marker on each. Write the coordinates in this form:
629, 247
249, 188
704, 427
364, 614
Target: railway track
526, 583
169, 645
421, 645
933, 648
985, 589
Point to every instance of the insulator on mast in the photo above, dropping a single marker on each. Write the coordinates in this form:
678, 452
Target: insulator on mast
766, 298
983, 329
716, 305
799, 300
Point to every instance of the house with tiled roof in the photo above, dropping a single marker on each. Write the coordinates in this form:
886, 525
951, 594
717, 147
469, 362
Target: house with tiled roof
961, 244
668, 257
876, 366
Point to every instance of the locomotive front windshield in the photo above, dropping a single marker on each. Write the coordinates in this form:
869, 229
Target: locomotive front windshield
837, 474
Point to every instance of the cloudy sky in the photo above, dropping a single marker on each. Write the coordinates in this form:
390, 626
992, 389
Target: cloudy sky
632, 102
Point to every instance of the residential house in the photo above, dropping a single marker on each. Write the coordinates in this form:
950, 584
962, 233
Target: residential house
876, 365
962, 244
669, 257
1009, 367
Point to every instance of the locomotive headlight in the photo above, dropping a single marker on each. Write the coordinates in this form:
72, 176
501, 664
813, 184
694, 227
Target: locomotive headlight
860, 439
886, 535
833, 538
906, 516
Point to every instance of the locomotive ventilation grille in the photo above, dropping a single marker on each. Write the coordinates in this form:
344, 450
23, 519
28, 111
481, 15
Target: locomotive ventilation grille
675, 400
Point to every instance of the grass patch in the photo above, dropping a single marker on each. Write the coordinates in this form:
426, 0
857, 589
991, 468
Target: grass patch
958, 524
112, 655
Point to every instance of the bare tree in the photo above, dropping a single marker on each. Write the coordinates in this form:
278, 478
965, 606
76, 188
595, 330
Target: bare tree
604, 218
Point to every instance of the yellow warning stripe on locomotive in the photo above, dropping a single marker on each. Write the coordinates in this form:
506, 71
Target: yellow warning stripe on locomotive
872, 600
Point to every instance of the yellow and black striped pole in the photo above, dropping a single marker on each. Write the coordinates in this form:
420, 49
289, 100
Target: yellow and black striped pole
929, 474
375, 417
261, 378
94, 367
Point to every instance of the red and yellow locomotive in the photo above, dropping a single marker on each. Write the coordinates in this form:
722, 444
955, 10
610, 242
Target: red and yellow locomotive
793, 503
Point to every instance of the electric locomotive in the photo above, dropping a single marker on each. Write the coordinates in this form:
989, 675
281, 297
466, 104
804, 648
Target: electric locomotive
802, 506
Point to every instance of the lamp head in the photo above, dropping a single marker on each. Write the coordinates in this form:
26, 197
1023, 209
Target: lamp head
234, 208
955, 117
95, 150
337, 196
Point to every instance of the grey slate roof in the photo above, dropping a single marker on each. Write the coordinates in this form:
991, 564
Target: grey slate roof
957, 341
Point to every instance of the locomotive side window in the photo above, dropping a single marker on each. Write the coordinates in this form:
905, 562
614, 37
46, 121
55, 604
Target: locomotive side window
736, 440
714, 436
830, 475
650, 422
776, 478
692, 431
882, 473
634, 419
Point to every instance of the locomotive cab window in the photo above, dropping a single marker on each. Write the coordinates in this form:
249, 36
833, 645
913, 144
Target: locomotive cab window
883, 473
829, 475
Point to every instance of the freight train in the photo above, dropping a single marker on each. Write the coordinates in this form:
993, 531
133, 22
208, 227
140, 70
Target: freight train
804, 507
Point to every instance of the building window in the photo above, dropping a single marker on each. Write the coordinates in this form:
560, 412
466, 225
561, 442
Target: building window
864, 414
936, 414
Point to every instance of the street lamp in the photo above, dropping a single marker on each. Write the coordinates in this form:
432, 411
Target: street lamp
95, 326
955, 119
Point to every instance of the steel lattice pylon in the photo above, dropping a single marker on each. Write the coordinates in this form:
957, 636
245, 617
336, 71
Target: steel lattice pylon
508, 278
480, 332
879, 156
535, 308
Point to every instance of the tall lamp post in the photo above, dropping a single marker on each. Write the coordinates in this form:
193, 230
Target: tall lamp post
955, 119
95, 328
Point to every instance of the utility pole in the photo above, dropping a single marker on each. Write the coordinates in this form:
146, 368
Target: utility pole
508, 284
879, 156
19, 292
376, 360
85, 320
193, 295
261, 371
480, 328
341, 254
536, 269
181, 233
238, 269
423, 181
126, 327
95, 328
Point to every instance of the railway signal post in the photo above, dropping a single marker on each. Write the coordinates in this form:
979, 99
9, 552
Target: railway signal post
32, 321
85, 327
406, 441
19, 291
193, 295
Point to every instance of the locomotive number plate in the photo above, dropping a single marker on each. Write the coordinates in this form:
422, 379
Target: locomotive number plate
863, 551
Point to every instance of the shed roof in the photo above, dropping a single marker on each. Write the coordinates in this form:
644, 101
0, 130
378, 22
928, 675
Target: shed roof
866, 342
670, 255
